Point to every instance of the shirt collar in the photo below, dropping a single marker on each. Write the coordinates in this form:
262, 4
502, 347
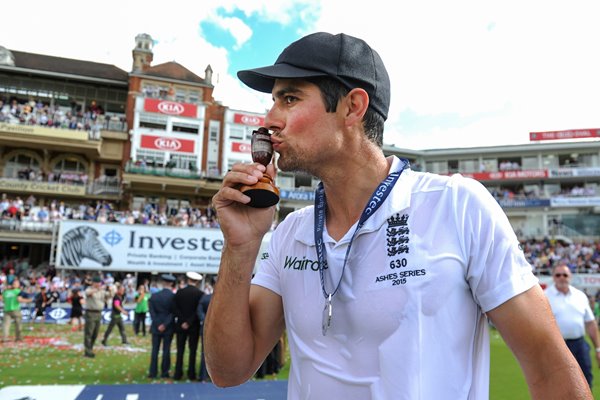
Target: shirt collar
397, 201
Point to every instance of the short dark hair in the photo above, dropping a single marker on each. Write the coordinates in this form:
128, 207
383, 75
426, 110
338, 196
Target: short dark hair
333, 91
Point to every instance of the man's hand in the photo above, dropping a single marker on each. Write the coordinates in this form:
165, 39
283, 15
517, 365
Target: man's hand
239, 222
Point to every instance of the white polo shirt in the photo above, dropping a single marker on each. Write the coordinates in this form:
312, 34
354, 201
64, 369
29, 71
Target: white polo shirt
570, 310
408, 319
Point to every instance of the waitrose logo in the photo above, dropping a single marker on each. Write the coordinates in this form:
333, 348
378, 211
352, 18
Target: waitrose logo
300, 264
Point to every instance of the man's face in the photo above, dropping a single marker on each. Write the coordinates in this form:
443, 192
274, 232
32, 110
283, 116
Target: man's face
305, 134
562, 277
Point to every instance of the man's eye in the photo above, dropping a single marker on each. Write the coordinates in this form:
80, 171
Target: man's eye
289, 99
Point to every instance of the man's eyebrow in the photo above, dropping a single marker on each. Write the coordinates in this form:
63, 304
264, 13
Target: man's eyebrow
286, 90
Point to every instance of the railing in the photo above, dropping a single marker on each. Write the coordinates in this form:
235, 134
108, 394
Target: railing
109, 122
560, 232
158, 170
12, 225
105, 185
27, 226
566, 231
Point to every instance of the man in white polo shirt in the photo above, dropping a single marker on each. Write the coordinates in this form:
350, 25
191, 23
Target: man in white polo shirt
384, 286
574, 317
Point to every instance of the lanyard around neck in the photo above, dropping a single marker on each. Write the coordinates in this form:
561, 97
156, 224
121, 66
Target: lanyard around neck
376, 200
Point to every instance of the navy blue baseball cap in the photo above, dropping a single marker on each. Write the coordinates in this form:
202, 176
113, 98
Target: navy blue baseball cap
345, 58
167, 277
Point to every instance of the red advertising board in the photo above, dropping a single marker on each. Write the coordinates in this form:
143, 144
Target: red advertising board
240, 147
564, 135
170, 107
500, 175
247, 119
167, 144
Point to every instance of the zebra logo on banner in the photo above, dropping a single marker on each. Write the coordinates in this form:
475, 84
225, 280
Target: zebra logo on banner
82, 242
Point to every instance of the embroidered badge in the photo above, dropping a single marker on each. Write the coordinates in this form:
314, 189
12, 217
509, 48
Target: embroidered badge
397, 234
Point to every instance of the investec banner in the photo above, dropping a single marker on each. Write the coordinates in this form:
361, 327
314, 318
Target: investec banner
61, 314
142, 248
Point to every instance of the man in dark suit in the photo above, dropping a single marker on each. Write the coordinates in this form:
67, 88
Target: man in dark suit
161, 306
187, 324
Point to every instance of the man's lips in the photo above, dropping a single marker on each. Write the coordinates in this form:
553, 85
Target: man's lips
276, 143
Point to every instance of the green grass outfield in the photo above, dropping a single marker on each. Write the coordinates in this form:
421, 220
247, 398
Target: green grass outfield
52, 354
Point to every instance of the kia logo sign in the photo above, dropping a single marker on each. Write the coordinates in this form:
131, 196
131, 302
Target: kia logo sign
167, 144
169, 107
245, 148
250, 120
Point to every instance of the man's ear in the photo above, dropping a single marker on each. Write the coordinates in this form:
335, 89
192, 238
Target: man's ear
356, 102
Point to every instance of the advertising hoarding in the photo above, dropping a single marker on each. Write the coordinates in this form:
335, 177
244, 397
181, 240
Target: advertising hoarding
139, 248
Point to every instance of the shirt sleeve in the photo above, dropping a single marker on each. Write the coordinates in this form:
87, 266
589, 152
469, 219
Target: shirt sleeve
497, 269
588, 313
267, 274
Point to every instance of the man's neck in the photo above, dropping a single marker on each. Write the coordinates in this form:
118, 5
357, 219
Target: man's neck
563, 289
349, 191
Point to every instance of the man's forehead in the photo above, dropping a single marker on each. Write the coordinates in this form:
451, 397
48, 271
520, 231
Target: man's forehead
291, 86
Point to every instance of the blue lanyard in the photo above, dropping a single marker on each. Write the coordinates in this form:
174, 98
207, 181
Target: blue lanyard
377, 199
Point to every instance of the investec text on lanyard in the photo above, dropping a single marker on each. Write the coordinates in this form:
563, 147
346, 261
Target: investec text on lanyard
376, 200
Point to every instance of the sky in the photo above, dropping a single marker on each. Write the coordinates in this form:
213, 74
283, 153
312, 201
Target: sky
463, 73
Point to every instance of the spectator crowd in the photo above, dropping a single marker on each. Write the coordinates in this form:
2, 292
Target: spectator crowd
544, 254
17, 209
42, 113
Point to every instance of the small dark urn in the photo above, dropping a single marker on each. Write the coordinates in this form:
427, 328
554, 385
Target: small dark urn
263, 193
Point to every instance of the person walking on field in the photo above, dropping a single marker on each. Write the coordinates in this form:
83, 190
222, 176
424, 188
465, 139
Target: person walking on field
574, 317
365, 280
12, 298
116, 315
76, 301
95, 298
42, 300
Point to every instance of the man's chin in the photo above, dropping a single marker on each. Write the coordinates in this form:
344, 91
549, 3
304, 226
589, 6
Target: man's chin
292, 165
